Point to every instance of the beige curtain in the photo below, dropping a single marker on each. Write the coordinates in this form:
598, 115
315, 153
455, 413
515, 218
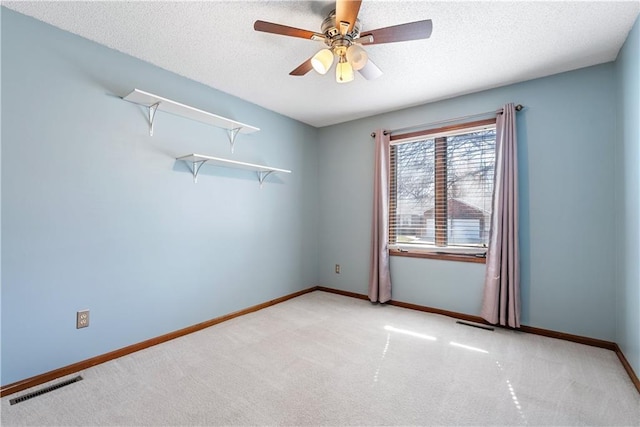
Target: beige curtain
501, 300
380, 277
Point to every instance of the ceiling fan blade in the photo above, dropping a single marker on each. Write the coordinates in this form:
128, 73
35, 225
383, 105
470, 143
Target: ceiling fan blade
398, 33
370, 71
270, 27
302, 69
346, 14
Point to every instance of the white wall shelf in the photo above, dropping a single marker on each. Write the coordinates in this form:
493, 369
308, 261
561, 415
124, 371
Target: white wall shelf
197, 160
157, 103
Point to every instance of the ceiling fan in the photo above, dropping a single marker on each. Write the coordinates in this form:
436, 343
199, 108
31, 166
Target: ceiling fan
341, 33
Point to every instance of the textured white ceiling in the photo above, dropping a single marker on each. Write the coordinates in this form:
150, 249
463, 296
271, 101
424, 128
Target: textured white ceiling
474, 46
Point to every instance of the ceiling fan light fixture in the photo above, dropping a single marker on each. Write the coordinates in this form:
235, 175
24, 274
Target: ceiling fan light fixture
322, 61
357, 56
344, 71
341, 33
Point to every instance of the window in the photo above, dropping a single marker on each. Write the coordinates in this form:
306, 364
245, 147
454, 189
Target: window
441, 189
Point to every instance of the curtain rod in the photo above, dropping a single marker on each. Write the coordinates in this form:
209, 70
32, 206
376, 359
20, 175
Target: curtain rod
519, 107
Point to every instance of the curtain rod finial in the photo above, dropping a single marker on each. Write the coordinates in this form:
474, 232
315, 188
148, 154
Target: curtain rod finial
519, 107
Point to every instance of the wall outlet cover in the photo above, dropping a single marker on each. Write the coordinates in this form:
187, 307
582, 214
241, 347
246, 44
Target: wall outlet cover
82, 319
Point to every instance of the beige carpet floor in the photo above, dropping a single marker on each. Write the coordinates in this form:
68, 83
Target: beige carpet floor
325, 359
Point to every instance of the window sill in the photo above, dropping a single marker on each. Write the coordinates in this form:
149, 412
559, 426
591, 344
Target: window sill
436, 255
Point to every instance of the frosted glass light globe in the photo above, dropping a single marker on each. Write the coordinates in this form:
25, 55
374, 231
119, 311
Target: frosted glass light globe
357, 56
322, 61
344, 72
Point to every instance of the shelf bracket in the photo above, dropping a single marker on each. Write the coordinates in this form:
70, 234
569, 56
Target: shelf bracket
232, 133
262, 175
195, 168
152, 114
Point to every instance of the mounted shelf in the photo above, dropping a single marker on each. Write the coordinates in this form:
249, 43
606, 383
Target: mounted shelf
157, 103
197, 160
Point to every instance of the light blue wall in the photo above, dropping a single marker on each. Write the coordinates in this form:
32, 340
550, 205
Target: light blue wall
628, 198
566, 136
98, 215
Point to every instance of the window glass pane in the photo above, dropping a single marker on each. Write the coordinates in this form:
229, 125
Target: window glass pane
464, 183
414, 190
470, 166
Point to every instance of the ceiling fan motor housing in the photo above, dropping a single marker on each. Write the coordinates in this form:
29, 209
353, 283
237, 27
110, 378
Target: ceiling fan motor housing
333, 38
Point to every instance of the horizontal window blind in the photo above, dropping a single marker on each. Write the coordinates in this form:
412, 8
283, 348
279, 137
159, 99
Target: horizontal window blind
441, 188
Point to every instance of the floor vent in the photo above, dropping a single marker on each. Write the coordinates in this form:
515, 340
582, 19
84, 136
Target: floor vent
475, 325
45, 390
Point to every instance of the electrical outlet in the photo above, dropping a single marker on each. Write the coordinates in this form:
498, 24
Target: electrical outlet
337, 268
82, 319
